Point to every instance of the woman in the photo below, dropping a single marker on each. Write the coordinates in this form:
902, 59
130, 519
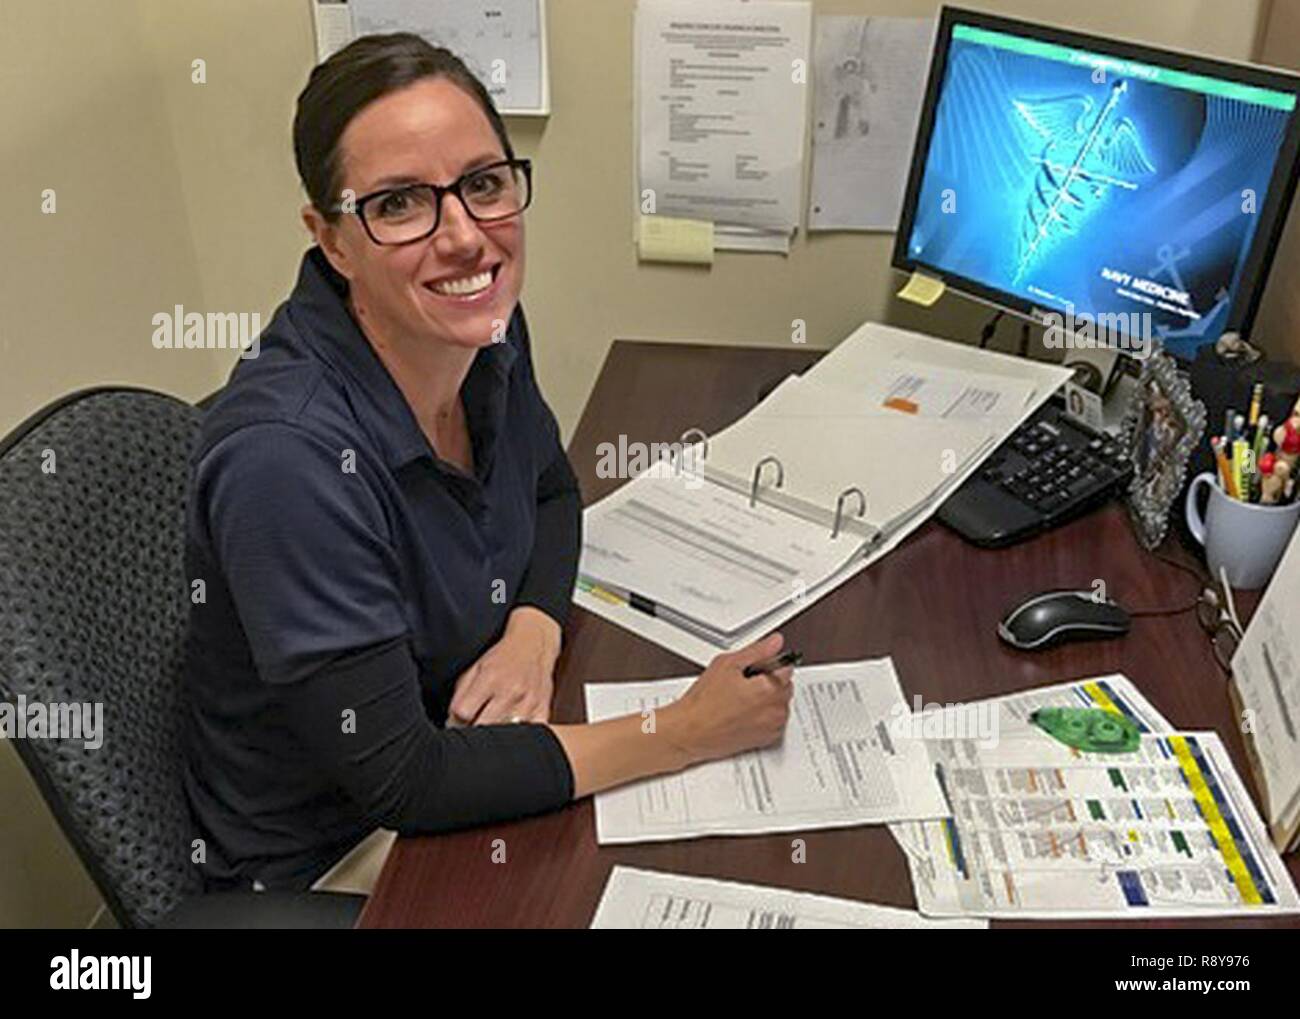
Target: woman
385, 524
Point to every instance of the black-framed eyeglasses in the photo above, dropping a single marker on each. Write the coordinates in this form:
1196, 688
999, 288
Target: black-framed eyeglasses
412, 212
1218, 617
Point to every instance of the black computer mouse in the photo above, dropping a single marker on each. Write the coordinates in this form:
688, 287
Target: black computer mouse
1057, 616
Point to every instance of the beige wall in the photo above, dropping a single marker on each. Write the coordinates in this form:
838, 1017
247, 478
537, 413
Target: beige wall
80, 112
171, 192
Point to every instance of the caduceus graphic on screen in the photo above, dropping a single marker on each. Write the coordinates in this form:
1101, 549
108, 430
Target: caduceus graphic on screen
1086, 153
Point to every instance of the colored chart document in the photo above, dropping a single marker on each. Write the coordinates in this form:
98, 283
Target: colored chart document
1042, 830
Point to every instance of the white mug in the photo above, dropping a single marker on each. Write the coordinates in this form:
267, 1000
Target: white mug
1246, 539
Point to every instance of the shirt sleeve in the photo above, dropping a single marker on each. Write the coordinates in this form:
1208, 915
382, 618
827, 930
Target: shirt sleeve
362, 720
303, 546
553, 566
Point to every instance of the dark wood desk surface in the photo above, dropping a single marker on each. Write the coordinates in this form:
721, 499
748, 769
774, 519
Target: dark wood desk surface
932, 605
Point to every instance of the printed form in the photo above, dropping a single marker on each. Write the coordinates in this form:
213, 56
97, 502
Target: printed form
700, 551
647, 900
722, 115
837, 766
925, 390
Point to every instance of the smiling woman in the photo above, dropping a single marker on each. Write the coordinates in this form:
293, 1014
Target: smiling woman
387, 524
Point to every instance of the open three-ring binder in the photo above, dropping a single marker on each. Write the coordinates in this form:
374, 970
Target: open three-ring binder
736, 526
855, 465
740, 530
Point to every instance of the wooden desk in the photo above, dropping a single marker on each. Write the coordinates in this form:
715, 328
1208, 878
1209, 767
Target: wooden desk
932, 604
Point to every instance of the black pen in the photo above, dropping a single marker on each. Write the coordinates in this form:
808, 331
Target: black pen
772, 664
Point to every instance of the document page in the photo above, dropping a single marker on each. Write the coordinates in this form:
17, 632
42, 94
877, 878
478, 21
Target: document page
870, 81
501, 41
653, 901
1009, 716
917, 388
699, 550
861, 359
722, 114
833, 442
1040, 830
837, 766
1266, 670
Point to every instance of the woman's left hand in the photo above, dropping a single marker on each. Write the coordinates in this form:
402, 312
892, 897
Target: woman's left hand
513, 680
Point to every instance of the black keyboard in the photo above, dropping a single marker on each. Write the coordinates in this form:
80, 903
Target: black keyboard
1049, 470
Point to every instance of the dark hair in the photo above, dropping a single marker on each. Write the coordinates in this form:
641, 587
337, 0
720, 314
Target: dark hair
365, 70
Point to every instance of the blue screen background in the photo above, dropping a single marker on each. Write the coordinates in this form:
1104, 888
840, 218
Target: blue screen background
1157, 192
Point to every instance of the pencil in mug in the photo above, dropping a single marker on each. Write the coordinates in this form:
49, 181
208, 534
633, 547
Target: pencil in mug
1221, 460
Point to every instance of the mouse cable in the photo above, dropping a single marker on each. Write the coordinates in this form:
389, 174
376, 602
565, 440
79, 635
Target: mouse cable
1179, 610
986, 333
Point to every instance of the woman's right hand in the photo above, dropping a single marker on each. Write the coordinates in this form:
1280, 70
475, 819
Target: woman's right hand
725, 713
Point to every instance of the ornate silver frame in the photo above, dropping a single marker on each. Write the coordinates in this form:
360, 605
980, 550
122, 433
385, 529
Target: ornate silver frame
1151, 493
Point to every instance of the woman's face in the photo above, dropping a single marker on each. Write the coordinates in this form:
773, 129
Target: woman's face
429, 132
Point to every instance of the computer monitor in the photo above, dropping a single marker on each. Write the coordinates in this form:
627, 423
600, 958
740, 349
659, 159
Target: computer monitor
1088, 182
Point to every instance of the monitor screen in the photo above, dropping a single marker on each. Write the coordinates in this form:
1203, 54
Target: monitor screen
1072, 178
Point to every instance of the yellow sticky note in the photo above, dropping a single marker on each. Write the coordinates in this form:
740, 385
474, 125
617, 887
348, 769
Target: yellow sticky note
665, 239
923, 290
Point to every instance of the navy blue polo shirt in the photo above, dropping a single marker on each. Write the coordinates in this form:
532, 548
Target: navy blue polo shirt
349, 576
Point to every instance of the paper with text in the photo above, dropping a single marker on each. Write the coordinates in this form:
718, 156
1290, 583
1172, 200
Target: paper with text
837, 766
722, 110
1040, 830
647, 900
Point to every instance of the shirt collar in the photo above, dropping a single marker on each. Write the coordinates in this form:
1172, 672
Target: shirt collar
319, 309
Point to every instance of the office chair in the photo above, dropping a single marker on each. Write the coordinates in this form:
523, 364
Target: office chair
93, 606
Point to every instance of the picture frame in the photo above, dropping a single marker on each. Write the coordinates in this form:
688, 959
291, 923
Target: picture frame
1162, 426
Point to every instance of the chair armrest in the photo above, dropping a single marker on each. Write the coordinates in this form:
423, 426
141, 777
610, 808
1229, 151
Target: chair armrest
266, 910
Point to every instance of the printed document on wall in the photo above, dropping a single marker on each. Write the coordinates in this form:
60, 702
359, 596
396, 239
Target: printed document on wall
722, 90
869, 76
502, 41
